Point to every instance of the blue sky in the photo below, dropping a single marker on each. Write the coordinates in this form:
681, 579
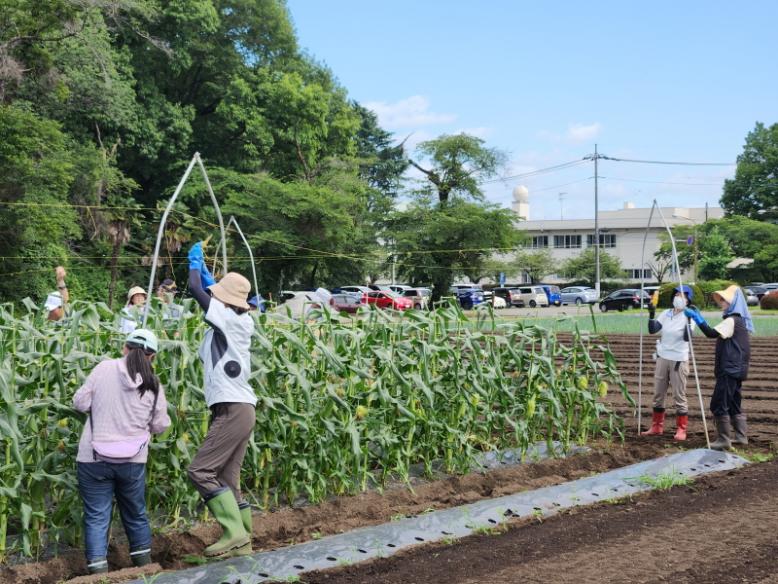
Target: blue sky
544, 81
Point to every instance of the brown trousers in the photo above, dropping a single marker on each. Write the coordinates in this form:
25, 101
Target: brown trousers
217, 464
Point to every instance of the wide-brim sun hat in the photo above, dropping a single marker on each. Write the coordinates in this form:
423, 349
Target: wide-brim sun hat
135, 290
143, 338
728, 294
232, 289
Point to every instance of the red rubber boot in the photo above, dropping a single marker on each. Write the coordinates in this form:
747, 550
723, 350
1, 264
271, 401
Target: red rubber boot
657, 425
681, 424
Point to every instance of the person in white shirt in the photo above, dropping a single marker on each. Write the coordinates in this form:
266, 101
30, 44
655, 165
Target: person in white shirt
131, 313
672, 362
215, 469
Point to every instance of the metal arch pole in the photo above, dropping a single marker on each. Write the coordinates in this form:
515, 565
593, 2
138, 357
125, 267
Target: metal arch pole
688, 329
161, 232
216, 207
248, 247
642, 291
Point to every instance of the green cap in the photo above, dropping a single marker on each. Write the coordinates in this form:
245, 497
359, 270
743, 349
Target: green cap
143, 338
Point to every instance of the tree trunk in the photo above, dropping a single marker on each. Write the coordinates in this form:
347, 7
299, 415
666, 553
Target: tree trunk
117, 248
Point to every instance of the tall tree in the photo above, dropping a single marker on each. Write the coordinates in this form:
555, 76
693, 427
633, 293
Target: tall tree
754, 190
715, 254
535, 263
456, 165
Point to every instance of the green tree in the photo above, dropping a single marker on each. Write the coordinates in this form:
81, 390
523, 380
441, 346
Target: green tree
535, 263
754, 190
457, 164
583, 267
715, 254
434, 243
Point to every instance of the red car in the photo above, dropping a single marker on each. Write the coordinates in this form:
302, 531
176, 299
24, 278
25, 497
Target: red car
345, 303
388, 299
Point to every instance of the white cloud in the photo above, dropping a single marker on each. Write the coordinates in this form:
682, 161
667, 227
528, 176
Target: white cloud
575, 134
583, 132
410, 112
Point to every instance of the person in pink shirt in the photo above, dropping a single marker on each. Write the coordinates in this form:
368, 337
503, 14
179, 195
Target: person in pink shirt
126, 404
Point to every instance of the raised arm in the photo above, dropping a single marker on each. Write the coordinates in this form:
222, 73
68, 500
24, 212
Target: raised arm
706, 329
654, 326
199, 276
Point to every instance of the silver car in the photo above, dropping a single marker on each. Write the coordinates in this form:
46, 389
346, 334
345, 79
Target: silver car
578, 295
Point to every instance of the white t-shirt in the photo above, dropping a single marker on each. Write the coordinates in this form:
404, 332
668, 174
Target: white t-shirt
671, 345
225, 356
130, 318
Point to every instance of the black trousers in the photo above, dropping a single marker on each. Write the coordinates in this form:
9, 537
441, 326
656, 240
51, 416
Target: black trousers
726, 396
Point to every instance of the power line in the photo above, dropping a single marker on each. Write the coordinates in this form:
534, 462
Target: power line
555, 168
661, 182
674, 163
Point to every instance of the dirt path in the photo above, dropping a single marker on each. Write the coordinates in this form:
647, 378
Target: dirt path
723, 529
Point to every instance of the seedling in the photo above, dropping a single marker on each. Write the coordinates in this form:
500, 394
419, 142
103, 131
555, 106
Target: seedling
665, 480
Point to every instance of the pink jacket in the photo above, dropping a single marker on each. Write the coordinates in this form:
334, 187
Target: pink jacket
117, 408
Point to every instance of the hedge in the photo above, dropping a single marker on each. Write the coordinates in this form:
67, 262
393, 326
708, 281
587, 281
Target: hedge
769, 302
702, 293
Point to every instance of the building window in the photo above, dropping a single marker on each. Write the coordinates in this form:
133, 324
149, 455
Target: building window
606, 240
567, 241
539, 241
635, 274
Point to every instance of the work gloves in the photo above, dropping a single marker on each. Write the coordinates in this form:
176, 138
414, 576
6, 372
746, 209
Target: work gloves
197, 262
695, 316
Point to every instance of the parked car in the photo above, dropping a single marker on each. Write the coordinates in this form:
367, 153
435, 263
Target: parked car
399, 288
498, 302
533, 296
511, 295
757, 291
751, 298
419, 296
363, 291
624, 299
346, 303
389, 299
578, 295
468, 298
553, 294
380, 287
769, 288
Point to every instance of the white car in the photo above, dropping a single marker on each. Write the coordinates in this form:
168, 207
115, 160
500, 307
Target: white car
499, 302
579, 295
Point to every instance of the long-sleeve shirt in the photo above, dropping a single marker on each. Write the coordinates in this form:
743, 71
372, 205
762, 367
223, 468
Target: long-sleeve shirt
118, 411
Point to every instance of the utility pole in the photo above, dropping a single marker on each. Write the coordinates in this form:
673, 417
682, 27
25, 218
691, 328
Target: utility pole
596, 227
561, 206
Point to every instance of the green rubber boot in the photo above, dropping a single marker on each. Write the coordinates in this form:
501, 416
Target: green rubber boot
245, 515
234, 540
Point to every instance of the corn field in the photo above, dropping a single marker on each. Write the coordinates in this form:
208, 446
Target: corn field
344, 404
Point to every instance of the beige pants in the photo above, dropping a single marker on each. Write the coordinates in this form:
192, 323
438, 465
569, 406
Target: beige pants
671, 374
217, 464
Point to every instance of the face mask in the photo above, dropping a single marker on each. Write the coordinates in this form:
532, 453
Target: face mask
679, 302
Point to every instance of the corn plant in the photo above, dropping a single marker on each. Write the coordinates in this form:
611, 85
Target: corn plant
344, 404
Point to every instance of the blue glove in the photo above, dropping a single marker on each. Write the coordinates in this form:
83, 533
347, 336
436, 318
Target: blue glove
695, 316
206, 279
196, 257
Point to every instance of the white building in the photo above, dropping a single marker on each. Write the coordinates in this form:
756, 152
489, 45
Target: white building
621, 232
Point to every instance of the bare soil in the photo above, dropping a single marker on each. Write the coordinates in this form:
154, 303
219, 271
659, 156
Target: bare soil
721, 529
293, 525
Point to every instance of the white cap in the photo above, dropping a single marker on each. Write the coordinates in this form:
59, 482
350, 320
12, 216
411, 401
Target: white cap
53, 301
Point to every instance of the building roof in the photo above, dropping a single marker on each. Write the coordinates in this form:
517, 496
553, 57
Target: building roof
628, 218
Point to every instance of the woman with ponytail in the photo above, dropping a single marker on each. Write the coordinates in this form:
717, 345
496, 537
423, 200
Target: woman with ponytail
126, 404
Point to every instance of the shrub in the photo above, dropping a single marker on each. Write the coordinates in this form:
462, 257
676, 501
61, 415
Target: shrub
769, 302
666, 293
709, 287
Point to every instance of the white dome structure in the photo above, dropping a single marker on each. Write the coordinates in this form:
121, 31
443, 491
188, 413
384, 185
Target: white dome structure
521, 202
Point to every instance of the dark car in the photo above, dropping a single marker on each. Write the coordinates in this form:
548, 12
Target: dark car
553, 293
624, 299
469, 298
757, 291
346, 302
510, 294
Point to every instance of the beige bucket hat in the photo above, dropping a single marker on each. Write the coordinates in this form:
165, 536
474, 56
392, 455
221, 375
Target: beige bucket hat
135, 290
728, 294
232, 289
